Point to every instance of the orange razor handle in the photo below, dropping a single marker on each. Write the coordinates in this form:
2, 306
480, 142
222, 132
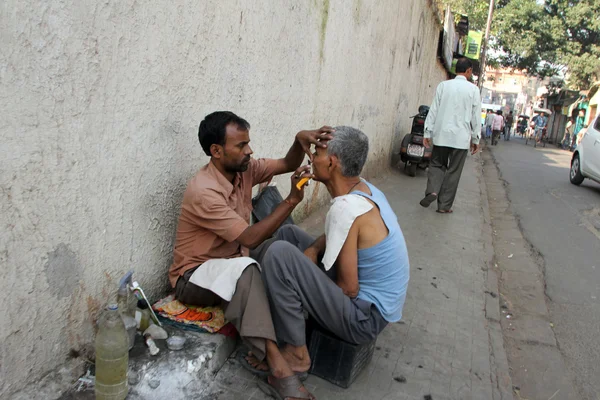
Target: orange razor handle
301, 183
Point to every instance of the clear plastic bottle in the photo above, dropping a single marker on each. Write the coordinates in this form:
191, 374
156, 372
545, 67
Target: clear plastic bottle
112, 356
128, 320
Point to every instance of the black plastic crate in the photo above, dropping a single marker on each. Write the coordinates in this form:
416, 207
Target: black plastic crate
337, 361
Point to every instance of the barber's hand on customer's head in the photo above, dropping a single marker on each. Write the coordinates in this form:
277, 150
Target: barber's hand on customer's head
427, 142
317, 137
296, 195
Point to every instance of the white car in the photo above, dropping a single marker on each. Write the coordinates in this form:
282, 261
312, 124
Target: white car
586, 157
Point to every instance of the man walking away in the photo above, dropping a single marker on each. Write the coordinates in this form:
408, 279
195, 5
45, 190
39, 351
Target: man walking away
497, 127
509, 123
452, 126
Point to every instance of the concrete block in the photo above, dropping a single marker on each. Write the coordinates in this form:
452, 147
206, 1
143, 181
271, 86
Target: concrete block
181, 374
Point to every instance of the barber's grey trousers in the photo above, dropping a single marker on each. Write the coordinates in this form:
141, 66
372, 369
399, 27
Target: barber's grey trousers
295, 284
445, 170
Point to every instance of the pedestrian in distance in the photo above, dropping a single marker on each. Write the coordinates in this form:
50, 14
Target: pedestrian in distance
579, 121
566, 142
488, 124
452, 127
509, 123
497, 127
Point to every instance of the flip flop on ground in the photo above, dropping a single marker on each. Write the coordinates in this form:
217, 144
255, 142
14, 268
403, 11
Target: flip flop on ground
285, 388
444, 211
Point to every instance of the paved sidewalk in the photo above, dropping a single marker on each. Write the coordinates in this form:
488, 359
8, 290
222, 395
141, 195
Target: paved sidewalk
445, 346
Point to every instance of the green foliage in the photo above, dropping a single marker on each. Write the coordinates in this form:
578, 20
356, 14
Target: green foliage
543, 36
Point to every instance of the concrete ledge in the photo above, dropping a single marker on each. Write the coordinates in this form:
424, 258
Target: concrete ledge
179, 374
168, 375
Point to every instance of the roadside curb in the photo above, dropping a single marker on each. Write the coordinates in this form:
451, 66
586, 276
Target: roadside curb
500, 374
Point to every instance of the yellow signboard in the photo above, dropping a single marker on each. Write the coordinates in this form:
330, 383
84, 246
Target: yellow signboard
473, 45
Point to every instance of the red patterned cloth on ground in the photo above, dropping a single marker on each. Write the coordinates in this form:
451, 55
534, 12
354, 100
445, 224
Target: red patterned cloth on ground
202, 319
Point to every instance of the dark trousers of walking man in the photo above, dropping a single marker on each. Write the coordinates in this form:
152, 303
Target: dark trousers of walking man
445, 170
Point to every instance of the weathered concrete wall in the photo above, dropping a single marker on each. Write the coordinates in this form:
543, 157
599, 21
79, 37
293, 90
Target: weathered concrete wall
100, 105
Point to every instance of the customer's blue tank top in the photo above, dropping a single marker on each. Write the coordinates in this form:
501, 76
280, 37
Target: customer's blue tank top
383, 270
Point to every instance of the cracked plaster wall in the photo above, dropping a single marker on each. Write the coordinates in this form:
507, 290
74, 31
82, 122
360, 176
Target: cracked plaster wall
100, 104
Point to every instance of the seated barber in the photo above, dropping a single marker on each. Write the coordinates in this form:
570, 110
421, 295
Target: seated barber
214, 241
362, 241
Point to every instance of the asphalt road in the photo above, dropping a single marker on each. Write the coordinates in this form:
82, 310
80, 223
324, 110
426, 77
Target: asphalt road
561, 221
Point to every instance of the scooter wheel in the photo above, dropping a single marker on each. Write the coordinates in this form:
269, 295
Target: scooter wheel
412, 169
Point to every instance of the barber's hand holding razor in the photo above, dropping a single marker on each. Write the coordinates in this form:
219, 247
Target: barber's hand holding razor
297, 194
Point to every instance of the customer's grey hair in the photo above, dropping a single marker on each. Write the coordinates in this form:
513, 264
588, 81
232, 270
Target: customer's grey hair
351, 147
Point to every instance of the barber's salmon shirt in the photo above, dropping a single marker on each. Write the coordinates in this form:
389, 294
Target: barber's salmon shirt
214, 213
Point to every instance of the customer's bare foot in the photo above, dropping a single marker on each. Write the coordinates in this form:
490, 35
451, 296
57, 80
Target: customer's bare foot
297, 358
283, 382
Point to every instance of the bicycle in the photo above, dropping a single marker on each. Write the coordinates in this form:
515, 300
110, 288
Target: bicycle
529, 133
544, 138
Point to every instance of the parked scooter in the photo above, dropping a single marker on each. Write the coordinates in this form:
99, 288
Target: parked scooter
413, 152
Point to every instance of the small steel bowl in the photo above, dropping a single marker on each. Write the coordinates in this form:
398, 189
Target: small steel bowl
175, 342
